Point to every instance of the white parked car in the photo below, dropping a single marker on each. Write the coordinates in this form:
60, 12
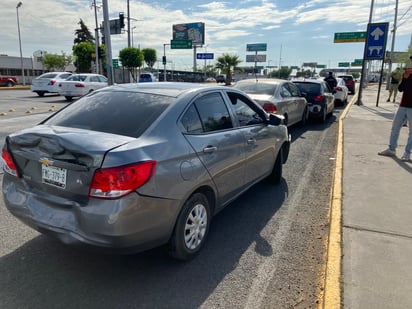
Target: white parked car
78, 85
341, 92
48, 82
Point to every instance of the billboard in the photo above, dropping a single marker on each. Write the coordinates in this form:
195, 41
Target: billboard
192, 31
256, 47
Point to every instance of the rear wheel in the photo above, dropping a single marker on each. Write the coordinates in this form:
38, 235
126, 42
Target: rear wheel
10, 84
40, 93
191, 228
68, 98
324, 114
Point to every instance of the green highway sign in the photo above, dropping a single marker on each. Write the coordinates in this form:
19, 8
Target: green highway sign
345, 37
357, 63
343, 64
321, 66
181, 44
256, 47
115, 63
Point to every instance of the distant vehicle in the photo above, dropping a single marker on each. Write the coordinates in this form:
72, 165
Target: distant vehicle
220, 79
135, 166
147, 78
48, 82
341, 92
277, 96
350, 82
78, 85
319, 96
8, 81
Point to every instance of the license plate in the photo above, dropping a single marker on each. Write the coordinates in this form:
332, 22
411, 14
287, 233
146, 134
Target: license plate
54, 176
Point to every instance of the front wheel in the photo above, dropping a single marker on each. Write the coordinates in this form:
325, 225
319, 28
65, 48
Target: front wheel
10, 84
276, 174
191, 228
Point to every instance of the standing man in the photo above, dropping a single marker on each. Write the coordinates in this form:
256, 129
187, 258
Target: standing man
331, 80
396, 75
404, 112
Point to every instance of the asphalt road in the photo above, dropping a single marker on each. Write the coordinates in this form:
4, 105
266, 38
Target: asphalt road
265, 250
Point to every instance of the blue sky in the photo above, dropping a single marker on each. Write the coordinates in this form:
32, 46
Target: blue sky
295, 31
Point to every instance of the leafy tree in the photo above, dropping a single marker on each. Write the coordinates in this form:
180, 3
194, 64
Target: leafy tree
54, 62
228, 64
83, 48
150, 57
83, 52
282, 73
83, 34
131, 58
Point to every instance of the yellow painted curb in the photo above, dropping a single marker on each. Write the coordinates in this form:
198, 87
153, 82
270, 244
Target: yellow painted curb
332, 298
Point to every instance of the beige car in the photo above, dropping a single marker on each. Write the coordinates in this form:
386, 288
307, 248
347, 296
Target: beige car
277, 96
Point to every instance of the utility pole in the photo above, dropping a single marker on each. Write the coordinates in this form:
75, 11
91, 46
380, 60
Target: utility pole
128, 24
388, 75
362, 80
96, 33
108, 42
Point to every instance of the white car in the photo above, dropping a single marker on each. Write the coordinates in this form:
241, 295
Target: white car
341, 92
48, 82
78, 85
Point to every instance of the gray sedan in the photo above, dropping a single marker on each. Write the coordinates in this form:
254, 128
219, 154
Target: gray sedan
131, 167
277, 96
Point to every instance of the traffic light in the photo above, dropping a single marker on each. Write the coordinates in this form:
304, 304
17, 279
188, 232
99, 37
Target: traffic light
164, 60
103, 40
100, 52
121, 19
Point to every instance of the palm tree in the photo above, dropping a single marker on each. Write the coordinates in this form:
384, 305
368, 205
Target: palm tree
228, 64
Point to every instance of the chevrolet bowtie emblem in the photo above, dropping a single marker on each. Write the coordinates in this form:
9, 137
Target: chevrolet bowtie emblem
46, 161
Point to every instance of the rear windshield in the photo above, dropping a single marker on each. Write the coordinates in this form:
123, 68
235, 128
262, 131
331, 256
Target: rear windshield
257, 88
309, 88
123, 113
145, 76
48, 75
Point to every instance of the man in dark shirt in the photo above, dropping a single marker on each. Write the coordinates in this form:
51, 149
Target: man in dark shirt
403, 113
331, 80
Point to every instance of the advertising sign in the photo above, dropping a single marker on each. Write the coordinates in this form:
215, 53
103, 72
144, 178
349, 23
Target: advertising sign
193, 31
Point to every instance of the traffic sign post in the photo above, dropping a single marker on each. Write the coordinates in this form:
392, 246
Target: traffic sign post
181, 44
374, 49
345, 37
205, 56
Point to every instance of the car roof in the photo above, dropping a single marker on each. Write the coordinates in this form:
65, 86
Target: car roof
313, 81
274, 81
163, 88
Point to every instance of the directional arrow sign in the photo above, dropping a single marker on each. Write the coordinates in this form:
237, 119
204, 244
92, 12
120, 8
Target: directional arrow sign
376, 41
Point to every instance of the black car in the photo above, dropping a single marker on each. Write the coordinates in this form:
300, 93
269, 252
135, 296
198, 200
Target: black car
319, 96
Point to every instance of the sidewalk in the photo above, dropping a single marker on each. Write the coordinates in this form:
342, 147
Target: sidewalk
376, 209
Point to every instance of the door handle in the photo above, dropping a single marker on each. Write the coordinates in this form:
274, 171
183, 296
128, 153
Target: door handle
208, 149
251, 141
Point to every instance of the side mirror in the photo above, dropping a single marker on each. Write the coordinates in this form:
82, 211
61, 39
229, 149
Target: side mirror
276, 120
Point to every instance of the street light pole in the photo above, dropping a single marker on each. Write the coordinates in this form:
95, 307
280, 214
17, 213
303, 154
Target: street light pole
21, 54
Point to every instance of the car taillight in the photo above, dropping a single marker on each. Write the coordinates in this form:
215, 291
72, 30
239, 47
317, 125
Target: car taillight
319, 98
338, 89
269, 107
79, 85
114, 182
52, 82
9, 167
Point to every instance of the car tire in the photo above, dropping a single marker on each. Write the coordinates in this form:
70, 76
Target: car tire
10, 84
324, 114
68, 98
276, 174
305, 116
192, 227
40, 93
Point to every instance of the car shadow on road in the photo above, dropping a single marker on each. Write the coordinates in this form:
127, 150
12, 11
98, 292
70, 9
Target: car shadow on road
46, 274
